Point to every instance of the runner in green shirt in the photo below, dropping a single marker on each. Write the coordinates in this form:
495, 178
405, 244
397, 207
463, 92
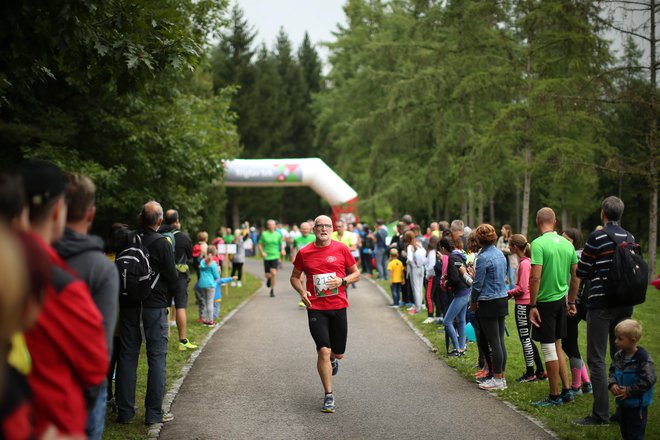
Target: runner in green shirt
554, 262
300, 242
271, 248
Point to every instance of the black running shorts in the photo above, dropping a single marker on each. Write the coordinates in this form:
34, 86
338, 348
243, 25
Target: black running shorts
270, 264
329, 328
553, 321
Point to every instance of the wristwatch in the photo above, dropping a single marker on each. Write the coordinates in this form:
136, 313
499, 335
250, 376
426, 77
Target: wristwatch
343, 282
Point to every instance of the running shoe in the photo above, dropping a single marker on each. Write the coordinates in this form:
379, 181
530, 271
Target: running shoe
493, 385
183, 346
590, 421
577, 391
440, 320
335, 366
481, 373
587, 388
328, 404
428, 320
567, 396
541, 375
525, 378
549, 402
210, 323
272, 293
168, 417
456, 353
412, 311
268, 282
393, 306
484, 379
233, 284
239, 284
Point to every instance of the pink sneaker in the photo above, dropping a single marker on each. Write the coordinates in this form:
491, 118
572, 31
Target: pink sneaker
412, 311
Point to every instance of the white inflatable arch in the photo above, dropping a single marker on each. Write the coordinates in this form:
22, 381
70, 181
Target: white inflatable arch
311, 172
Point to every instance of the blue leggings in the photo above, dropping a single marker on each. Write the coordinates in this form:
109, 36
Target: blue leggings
457, 310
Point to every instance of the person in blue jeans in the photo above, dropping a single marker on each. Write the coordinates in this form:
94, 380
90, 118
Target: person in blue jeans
380, 249
490, 299
455, 283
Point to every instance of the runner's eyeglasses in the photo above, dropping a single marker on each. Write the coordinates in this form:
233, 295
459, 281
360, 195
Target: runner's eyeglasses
323, 226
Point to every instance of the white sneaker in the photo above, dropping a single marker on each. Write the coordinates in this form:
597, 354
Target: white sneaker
428, 320
493, 384
233, 283
239, 284
172, 323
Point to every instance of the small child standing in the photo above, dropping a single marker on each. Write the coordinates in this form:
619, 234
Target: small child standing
395, 274
217, 299
632, 375
209, 275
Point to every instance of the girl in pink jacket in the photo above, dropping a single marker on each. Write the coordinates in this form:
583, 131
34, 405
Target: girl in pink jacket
518, 245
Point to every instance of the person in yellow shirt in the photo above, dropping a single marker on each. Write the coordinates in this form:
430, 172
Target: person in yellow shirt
348, 238
395, 274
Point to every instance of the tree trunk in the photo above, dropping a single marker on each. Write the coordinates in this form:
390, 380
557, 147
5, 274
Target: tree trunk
445, 217
235, 217
527, 149
564, 213
527, 184
653, 149
480, 208
464, 209
470, 214
491, 210
517, 222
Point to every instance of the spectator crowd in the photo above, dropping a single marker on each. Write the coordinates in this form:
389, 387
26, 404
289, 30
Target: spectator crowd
75, 309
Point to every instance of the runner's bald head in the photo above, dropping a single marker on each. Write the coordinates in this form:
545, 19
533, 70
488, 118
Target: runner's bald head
545, 216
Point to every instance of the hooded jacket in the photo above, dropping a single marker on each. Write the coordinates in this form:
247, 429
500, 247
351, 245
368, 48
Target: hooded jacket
67, 346
84, 254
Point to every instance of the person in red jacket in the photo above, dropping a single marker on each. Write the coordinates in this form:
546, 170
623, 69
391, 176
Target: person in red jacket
67, 343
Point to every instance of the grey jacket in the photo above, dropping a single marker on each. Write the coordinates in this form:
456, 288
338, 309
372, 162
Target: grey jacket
84, 253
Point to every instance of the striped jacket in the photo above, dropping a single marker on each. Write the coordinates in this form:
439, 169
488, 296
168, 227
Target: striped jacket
596, 261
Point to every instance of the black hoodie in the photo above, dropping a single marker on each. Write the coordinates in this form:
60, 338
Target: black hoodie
84, 253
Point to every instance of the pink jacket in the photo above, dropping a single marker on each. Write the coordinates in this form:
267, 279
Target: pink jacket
521, 291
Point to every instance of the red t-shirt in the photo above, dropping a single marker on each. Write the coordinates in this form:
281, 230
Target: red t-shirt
321, 263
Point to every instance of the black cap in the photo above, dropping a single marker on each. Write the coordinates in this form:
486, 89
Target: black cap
43, 181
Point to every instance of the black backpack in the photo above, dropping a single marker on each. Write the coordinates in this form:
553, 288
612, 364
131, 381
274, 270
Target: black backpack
136, 276
628, 278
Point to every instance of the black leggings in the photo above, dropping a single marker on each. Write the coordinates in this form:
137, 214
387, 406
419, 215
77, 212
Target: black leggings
570, 342
530, 351
237, 268
485, 357
493, 330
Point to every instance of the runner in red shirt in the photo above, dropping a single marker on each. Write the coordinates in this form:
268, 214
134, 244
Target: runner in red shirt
329, 268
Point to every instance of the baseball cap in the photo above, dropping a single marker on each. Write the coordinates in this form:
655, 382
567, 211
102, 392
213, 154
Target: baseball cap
43, 181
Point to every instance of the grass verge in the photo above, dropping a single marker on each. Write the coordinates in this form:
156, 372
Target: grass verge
559, 419
175, 359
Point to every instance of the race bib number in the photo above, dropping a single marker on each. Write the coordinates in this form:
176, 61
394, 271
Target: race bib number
321, 286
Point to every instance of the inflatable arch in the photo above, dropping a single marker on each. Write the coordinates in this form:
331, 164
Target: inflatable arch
311, 172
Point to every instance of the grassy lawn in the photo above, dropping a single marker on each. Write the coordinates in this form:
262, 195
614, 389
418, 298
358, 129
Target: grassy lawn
175, 359
557, 419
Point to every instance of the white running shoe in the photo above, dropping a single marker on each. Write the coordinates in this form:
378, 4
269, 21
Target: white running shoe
239, 284
428, 320
493, 384
233, 284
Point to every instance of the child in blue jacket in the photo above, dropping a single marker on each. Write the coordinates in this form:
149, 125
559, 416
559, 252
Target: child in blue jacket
632, 375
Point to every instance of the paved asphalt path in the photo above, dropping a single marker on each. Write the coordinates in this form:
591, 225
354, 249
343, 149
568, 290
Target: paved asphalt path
256, 378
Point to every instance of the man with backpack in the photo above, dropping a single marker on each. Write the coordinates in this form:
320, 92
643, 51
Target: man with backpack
603, 314
144, 298
183, 250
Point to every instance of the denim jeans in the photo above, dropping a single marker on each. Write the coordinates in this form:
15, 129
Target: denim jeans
96, 416
155, 333
395, 288
381, 262
457, 310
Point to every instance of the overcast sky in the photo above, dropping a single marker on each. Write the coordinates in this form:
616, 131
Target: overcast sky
318, 17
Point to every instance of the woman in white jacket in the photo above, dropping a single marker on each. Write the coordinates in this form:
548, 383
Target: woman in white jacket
415, 261
429, 274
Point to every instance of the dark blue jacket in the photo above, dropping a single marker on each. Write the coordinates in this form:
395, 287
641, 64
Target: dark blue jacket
637, 374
